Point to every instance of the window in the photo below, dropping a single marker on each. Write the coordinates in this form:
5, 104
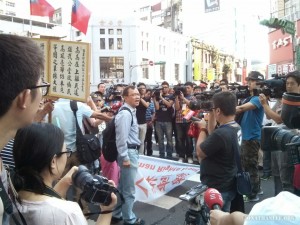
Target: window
147, 46
176, 72
119, 43
145, 67
119, 31
111, 43
110, 31
142, 45
102, 43
112, 68
162, 72
11, 4
78, 33
102, 31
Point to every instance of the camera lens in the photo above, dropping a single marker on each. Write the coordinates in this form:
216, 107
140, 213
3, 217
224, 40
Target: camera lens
82, 177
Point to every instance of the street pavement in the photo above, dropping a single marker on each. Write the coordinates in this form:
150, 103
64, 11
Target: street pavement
170, 210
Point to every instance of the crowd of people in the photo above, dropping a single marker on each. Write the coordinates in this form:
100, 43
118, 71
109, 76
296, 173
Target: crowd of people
45, 158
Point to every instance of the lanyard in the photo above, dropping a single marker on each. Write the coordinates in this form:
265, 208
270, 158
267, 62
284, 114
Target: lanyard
49, 192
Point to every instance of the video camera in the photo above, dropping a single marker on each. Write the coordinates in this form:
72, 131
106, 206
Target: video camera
95, 188
197, 213
240, 91
203, 100
179, 89
273, 88
156, 93
111, 91
276, 138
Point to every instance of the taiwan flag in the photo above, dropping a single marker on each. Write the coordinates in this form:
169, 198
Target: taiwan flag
80, 16
41, 8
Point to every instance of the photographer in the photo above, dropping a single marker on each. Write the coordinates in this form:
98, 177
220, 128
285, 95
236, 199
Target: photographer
185, 142
218, 167
251, 123
40, 158
141, 114
164, 111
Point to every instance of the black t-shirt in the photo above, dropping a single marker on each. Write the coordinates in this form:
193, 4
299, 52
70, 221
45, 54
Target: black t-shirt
219, 168
165, 114
141, 112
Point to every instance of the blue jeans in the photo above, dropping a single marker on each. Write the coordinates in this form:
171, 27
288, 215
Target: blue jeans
227, 196
162, 129
127, 187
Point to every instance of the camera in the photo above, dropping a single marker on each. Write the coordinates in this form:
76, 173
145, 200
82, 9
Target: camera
156, 93
273, 88
240, 91
179, 89
203, 100
198, 213
274, 138
111, 91
95, 188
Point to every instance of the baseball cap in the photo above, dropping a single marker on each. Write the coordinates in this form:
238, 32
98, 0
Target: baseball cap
255, 75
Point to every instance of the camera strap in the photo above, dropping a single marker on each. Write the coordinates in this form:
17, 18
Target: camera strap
52, 193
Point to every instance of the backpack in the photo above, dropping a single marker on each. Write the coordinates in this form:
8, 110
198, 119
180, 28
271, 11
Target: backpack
109, 147
88, 145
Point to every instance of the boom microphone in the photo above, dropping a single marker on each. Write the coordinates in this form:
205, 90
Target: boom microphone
213, 199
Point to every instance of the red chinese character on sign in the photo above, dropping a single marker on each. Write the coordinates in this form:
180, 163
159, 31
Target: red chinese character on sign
163, 182
151, 181
179, 178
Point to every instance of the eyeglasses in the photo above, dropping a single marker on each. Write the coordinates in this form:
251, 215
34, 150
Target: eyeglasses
68, 152
45, 88
164, 87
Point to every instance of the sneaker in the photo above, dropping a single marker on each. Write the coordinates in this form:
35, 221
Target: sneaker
115, 220
180, 160
265, 177
260, 192
251, 199
190, 161
138, 221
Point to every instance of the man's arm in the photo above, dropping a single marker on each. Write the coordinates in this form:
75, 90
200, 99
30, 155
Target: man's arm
218, 217
101, 116
146, 104
156, 104
166, 102
268, 111
202, 136
245, 107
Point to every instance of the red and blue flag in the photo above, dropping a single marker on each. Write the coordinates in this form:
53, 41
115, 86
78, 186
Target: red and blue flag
41, 8
80, 16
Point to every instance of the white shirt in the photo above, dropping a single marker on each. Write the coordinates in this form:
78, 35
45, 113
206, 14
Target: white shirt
283, 209
53, 211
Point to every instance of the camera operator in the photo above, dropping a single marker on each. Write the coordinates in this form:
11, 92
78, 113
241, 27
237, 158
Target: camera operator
185, 142
164, 111
224, 85
251, 124
218, 167
141, 114
40, 158
282, 170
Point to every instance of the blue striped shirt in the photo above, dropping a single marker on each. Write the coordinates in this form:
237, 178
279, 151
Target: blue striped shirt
7, 154
150, 111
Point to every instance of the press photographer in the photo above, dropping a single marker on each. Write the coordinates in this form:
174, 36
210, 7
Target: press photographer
183, 96
164, 113
114, 93
251, 114
40, 158
274, 139
216, 153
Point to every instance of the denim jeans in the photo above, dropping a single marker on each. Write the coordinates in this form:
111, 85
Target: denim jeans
162, 129
185, 143
227, 196
127, 187
267, 163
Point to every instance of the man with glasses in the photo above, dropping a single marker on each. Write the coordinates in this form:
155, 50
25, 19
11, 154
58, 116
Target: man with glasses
216, 152
21, 62
164, 113
141, 114
128, 145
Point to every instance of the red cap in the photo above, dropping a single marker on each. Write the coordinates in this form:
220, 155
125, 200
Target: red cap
212, 197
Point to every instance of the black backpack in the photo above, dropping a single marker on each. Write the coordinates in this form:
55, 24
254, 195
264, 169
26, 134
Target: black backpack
88, 145
109, 148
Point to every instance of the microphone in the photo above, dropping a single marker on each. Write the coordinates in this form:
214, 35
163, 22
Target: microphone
213, 199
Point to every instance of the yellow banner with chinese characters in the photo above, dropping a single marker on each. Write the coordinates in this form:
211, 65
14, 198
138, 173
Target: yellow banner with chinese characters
197, 64
210, 74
